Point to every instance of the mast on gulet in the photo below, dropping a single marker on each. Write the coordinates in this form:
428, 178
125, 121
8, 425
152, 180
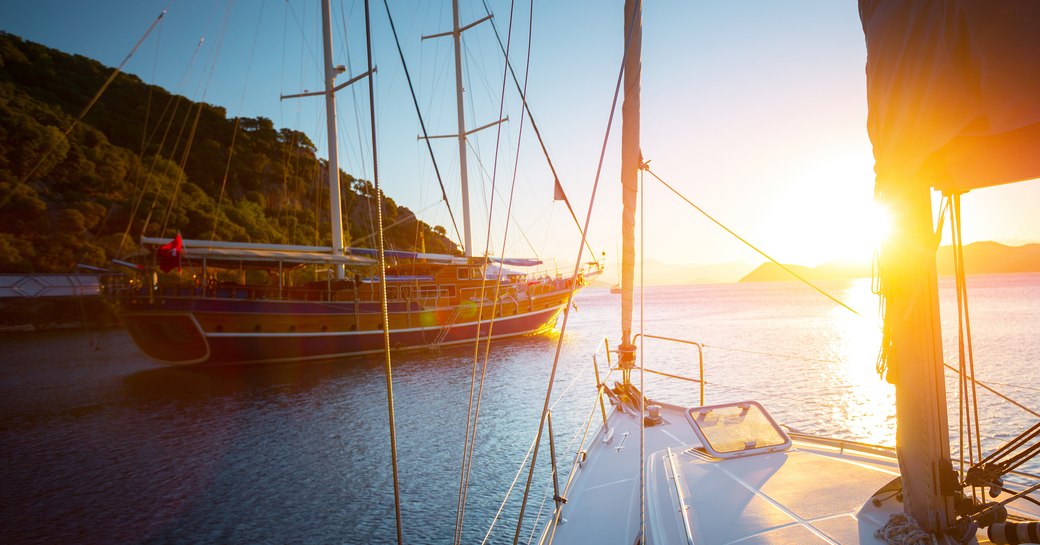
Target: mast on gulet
456, 34
331, 71
631, 162
335, 207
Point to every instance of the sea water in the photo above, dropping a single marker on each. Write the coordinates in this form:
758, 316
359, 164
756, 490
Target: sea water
101, 445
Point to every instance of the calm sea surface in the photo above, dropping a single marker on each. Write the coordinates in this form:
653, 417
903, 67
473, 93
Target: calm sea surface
101, 445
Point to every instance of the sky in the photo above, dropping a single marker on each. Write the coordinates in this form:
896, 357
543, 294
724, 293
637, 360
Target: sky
754, 110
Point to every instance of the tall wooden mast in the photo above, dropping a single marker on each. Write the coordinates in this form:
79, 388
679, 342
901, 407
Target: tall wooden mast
462, 133
913, 354
631, 160
335, 207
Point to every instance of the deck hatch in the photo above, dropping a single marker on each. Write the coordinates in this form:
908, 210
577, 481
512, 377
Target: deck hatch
738, 429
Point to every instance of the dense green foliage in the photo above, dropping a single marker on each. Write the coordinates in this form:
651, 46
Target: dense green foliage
145, 162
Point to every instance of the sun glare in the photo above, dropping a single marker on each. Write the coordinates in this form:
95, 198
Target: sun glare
868, 404
879, 223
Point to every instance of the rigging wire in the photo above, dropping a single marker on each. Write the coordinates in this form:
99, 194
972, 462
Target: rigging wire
750, 245
145, 139
234, 131
584, 430
570, 297
169, 164
422, 124
411, 216
637, 20
357, 126
198, 115
964, 421
965, 318
534, 126
516, 223
382, 280
471, 438
175, 102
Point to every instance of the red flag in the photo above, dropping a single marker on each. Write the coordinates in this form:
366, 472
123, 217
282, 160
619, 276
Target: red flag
169, 254
558, 194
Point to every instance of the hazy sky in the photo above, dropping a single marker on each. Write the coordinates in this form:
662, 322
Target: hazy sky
754, 109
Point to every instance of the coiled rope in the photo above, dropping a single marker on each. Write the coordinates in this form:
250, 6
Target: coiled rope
903, 530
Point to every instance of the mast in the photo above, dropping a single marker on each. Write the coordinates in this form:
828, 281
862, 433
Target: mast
913, 354
456, 35
951, 93
463, 174
631, 160
336, 212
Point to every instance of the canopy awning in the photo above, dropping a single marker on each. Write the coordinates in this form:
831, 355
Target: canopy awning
444, 258
219, 253
953, 90
215, 250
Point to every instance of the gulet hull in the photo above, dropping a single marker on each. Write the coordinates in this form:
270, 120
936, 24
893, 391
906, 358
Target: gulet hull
194, 332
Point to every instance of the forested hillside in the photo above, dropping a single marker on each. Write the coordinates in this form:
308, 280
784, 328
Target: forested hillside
144, 161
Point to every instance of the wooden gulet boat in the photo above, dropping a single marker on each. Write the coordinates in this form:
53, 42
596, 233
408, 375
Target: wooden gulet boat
433, 300
316, 303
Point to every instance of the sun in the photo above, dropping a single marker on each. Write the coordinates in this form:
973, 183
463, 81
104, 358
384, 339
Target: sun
809, 229
879, 224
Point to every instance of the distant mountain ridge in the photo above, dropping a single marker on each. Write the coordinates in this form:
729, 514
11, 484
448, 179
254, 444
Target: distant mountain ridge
985, 257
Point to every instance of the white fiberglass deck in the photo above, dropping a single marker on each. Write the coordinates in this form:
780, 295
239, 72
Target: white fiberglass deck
812, 493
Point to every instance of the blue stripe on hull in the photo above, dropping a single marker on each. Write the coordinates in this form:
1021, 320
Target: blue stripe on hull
271, 347
254, 306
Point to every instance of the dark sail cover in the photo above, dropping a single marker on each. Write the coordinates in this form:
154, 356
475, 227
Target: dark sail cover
953, 89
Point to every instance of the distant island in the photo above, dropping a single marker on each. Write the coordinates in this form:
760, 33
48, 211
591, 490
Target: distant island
979, 258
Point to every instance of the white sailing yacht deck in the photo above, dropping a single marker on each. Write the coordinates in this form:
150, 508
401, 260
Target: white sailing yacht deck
814, 492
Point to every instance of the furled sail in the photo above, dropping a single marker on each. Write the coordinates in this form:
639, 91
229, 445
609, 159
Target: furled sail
631, 159
953, 89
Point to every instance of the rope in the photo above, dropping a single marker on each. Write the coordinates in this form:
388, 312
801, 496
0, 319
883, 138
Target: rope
382, 280
570, 297
198, 112
752, 246
903, 530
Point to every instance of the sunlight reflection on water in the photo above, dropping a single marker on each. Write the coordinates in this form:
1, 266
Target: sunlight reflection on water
867, 405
